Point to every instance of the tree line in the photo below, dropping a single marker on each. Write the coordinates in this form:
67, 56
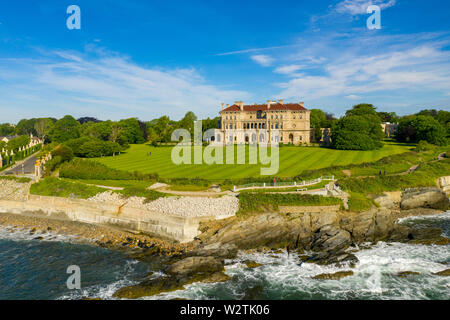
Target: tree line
359, 129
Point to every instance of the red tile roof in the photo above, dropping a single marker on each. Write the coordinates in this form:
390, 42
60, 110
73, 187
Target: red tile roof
263, 107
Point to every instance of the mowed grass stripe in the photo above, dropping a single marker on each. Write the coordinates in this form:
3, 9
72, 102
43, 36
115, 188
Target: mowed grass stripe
293, 161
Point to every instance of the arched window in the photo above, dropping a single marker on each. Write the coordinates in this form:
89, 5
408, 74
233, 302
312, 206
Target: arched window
261, 137
218, 138
254, 137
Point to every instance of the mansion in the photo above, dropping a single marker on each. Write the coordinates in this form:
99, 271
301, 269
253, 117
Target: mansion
275, 122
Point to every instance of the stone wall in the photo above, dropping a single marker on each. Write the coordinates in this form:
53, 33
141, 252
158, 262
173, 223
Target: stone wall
178, 228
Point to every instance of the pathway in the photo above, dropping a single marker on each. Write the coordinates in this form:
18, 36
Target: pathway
22, 167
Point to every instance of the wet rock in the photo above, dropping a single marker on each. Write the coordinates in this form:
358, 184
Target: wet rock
338, 258
252, 264
194, 265
254, 293
444, 273
150, 287
218, 250
331, 238
217, 277
428, 236
334, 276
424, 198
405, 274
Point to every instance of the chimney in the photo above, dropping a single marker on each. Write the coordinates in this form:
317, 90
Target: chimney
280, 101
269, 102
223, 105
227, 105
241, 105
302, 104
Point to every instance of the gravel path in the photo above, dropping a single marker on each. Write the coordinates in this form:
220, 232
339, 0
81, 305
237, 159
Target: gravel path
180, 206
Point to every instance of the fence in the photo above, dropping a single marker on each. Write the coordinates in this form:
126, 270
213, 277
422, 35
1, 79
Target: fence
274, 185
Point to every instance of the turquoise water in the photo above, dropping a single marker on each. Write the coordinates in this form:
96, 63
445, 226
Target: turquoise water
36, 269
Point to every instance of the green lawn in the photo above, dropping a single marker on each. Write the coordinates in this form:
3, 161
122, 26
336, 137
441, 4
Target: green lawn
293, 160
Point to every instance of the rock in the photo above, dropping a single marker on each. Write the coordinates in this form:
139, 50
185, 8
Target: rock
252, 264
384, 202
330, 238
217, 250
338, 258
254, 293
183, 272
405, 274
150, 287
428, 236
193, 265
334, 276
424, 198
444, 273
217, 277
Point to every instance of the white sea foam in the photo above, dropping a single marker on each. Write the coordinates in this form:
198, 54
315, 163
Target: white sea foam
375, 276
18, 234
440, 216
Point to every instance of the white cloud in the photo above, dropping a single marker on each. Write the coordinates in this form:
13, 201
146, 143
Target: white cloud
262, 59
355, 7
381, 66
108, 86
288, 69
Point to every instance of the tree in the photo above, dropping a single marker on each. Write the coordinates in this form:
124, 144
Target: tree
188, 122
65, 129
25, 127
42, 127
97, 130
388, 117
363, 109
422, 127
19, 142
131, 131
6, 129
359, 129
317, 118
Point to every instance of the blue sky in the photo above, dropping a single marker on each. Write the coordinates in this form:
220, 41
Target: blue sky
153, 58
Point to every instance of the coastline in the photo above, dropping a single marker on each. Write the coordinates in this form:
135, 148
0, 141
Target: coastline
93, 234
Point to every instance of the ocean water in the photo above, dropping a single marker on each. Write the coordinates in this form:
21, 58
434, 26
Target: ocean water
36, 269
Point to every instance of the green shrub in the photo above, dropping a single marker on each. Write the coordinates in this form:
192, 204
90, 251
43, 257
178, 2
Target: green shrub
17, 179
60, 188
64, 152
358, 202
260, 202
92, 170
424, 176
